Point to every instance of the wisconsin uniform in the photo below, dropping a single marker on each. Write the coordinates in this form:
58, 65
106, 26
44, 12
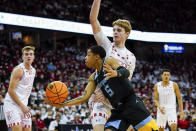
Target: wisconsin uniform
13, 113
128, 108
99, 112
167, 99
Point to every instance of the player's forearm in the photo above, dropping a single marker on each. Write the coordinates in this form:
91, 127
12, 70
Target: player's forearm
14, 97
95, 10
76, 101
157, 103
180, 103
123, 72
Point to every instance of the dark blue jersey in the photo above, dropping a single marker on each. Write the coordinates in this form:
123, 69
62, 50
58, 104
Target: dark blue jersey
122, 97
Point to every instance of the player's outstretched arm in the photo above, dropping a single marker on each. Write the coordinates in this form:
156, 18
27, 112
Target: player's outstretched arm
96, 27
17, 74
114, 69
180, 103
90, 88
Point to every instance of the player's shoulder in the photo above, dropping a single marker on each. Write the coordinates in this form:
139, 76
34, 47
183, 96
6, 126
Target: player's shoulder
33, 69
18, 71
158, 83
91, 78
131, 54
174, 83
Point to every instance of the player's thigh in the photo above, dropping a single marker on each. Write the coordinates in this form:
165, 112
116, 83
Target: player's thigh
16, 128
172, 116
161, 119
26, 129
27, 123
98, 118
13, 115
173, 127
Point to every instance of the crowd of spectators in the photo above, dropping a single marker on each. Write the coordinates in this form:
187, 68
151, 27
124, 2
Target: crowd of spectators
67, 65
152, 15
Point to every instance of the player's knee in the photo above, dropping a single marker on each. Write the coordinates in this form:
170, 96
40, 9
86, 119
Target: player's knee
161, 129
17, 128
110, 128
26, 129
173, 127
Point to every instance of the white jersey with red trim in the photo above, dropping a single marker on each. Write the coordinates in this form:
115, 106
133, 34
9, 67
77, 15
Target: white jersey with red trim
123, 55
167, 96
24, 86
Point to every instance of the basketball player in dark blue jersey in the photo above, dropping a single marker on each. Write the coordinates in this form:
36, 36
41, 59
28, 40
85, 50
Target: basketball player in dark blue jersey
113, 81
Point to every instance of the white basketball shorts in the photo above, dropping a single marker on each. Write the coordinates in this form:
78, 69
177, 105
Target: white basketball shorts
98, 114
14, 116
170, 116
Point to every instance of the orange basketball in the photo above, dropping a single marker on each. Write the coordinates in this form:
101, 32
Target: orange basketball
56, 92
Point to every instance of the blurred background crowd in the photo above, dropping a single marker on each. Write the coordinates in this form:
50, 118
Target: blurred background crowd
67, 65
151, 15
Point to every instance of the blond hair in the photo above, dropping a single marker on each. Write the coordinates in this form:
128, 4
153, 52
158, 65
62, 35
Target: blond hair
28, 48
124, 24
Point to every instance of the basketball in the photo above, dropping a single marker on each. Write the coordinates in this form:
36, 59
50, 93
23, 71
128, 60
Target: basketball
56, 92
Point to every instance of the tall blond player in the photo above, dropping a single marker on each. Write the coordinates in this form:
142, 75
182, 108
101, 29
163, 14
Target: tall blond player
17, 113
116, 49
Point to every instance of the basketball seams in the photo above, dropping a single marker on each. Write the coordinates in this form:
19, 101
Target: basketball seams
59, 94
56, 91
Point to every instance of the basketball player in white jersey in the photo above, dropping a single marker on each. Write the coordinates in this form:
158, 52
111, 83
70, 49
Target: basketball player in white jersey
17, 113
165, 93
116, 49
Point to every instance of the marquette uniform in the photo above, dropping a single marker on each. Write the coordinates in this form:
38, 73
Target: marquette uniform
128, 108
13, 113
99, 112
167, 99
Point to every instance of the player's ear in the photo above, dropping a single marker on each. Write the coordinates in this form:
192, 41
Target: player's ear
97, 57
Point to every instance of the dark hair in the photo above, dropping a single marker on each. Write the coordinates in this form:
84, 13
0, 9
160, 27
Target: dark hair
98, 50
165, 70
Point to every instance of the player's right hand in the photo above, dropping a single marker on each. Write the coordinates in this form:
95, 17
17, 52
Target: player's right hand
99, 97
162, 110
26, 110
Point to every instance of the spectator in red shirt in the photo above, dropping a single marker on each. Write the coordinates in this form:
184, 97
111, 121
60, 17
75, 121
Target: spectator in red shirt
183, 124
40, 123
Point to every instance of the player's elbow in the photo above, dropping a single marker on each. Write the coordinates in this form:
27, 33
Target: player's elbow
123, 72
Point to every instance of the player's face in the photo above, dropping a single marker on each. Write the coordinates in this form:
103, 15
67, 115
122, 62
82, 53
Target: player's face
90, 59
28, 56
119, 34
166, 76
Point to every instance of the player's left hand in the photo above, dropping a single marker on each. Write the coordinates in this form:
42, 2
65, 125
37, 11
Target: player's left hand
99, 97
182, 115
111, 72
